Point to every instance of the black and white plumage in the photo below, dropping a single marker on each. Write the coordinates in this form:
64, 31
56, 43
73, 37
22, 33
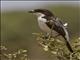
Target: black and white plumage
47, 22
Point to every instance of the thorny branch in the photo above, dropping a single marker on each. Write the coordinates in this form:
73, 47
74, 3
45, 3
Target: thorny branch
21, 54
58, 47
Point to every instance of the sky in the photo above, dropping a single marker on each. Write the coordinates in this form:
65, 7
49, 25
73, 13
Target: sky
23, 5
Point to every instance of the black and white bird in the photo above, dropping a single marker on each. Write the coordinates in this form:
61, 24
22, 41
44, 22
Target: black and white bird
49, 22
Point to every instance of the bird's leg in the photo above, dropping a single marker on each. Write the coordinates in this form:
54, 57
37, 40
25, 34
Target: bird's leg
51, 33
56, 36
46, 35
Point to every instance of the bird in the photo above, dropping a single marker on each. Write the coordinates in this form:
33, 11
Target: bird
51, 24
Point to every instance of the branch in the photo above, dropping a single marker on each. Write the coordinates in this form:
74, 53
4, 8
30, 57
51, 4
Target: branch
58, 48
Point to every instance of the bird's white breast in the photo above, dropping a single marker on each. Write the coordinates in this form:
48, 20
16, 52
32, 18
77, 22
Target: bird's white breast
42, 24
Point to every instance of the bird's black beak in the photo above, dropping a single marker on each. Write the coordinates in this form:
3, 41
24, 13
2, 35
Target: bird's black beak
32, 11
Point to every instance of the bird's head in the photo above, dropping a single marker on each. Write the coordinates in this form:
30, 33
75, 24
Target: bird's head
41, 12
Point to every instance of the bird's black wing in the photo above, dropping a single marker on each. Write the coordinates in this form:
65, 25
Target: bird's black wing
56, 25
59, 27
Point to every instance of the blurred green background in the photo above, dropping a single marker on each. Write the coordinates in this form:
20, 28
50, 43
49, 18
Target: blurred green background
17, 28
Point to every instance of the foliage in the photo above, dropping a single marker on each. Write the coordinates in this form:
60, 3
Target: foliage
58, 47
21, 54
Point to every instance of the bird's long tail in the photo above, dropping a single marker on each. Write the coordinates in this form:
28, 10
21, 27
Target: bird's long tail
68, 45
67, 40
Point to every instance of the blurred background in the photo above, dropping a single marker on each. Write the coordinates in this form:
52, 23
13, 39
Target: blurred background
17, 25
